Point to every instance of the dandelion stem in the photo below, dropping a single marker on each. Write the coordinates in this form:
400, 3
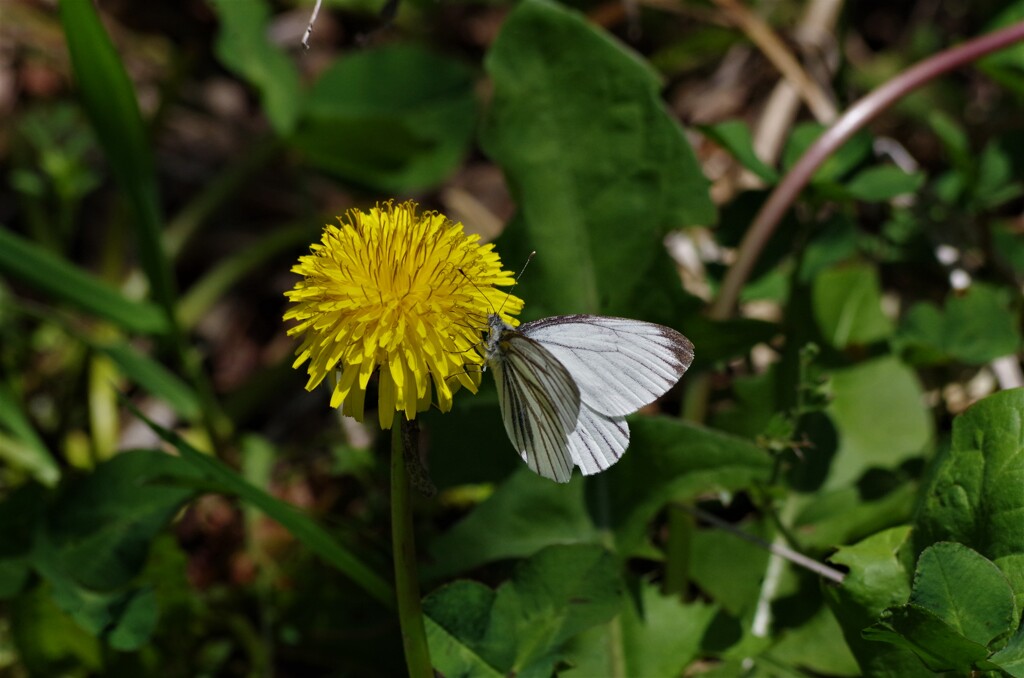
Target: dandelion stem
407, 586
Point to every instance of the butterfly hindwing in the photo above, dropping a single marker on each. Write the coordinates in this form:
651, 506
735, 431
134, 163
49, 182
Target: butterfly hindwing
598, 441
540, 404
619, 365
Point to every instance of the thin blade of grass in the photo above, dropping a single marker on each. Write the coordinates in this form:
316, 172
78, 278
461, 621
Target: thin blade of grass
299, 525
24, 447
69, 284
109, 101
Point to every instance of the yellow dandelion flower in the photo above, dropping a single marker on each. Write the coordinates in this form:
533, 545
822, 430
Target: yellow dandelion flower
403, 292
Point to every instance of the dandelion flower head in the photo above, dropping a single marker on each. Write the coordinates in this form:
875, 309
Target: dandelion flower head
403, 292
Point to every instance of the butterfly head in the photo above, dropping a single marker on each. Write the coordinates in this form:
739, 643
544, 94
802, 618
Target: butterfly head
496, 328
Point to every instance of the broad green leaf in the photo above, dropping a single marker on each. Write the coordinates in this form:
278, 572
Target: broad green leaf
458, 621
922, 632
973, 328
137, 622
68, 284
840, 163
395, 118
885, 182
49, 642
954, 140
980, 612
100, 526
734, 136
654, 635
1006, 65
23, 448
879, 410
522, 627
832, 243
753, 405
1011, 657
314, 537
662, 637
599, 169
154, 378
876, 579
109, 101
816, 645
729, 569
847, 303
242, 46
995, 183
843, 516
976, 495
670, 460
525, 514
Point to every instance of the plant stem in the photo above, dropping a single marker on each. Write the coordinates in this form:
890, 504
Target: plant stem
856, 117
776, 548
407, 586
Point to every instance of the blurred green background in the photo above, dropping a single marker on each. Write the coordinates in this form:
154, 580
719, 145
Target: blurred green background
163, 165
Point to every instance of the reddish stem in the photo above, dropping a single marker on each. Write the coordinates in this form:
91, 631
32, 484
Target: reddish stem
856, 117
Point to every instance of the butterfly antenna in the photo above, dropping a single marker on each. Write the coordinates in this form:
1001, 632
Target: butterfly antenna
521, 271
477, 288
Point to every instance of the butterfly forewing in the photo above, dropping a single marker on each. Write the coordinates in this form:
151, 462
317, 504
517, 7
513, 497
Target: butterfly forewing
619, 365
540, 404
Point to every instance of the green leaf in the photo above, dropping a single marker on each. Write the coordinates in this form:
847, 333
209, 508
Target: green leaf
817, 645
879, 410
995, 183
137, 622
1011, 657
67, 283
730, 569
832, 243
1008, 246
921, 631
521, 628
662, 636
847, 303
668, 460
525, 514
154, 378
242, 46
855, 151
396, 118
299, 525
973, 328
599, 170
885, 182
980, 612
109, 101
976, 495
101, 525
24, 448
843, 516
49, 642
656, 635
734, 136
876, 579
1006, 65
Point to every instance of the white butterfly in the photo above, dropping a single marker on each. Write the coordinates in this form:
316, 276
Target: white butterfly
566, 383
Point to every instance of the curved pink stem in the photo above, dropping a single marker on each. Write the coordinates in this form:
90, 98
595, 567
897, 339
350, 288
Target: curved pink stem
856, 117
